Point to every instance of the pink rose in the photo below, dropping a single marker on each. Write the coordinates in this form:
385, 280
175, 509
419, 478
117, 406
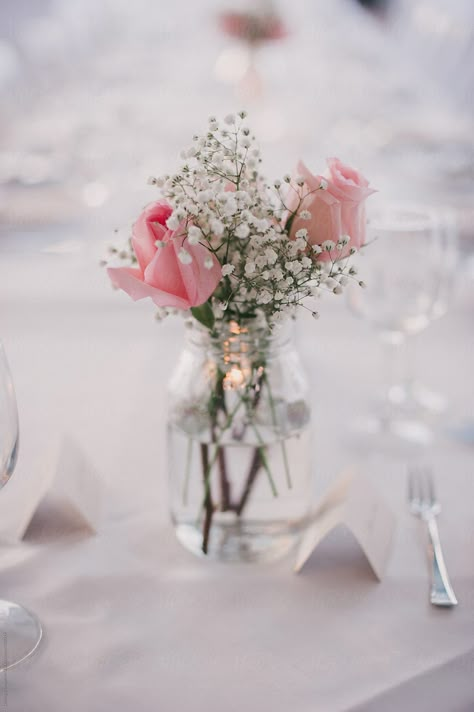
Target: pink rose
160, 274
337, 209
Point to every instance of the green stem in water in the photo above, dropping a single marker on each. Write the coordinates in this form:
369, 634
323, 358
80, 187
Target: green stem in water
264, 460
210, 463
208, 505
187, 471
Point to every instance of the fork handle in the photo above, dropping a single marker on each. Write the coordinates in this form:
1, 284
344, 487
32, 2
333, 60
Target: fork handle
442, 593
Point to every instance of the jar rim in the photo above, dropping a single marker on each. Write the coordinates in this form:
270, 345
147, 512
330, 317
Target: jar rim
251, 331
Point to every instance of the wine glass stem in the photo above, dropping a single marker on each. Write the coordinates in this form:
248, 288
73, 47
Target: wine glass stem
398, 355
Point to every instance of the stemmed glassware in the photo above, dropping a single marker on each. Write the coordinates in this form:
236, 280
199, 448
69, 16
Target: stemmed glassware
20, 630
409, 270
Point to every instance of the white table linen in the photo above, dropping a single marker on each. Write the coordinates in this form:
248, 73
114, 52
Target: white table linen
132, 621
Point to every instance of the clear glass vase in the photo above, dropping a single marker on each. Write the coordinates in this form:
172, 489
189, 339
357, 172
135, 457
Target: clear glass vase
239, 443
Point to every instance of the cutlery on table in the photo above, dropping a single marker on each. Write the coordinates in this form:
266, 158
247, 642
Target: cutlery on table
423, 504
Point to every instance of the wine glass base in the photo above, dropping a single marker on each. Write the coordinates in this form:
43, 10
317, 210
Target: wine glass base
20, 634
385, 433
417, 400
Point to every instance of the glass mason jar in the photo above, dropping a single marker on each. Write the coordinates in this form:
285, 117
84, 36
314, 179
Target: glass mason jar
239, 443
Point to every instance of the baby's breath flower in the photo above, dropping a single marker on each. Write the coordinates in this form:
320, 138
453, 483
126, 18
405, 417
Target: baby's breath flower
208, 263
302, 233
194, 235
227, 270
185, 257
217, 227
229, 207
242, 231
264, 297
305, 215
204, 196
172, 223
271, 256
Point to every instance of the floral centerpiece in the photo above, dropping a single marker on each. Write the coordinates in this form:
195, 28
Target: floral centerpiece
258, 25
239, 256
253, 27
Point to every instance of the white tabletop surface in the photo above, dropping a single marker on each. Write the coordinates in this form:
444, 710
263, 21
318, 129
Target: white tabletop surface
132, 621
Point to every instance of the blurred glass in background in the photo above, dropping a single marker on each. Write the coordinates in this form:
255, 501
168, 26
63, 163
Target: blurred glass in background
410, 265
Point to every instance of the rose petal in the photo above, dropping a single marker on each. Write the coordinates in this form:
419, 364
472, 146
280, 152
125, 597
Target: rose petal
164, 272
149, 227
199, 282
130, 280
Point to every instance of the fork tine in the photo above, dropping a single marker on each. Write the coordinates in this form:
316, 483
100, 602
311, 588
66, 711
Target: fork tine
413, 484
431, 486
425, 479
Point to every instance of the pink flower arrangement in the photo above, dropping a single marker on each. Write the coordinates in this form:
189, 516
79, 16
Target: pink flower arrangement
223, 244
238, 256
253, 27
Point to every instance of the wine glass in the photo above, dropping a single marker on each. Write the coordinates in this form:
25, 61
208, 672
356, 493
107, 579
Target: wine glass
409, 267
20, 630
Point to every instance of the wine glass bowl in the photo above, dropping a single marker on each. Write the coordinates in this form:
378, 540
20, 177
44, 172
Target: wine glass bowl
401, 265
408, 265
20, 630
9, 431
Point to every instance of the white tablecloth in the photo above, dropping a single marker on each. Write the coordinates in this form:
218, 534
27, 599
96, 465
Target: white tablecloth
134, 622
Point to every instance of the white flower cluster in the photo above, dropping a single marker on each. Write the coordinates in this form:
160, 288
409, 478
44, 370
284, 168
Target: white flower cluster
221, 201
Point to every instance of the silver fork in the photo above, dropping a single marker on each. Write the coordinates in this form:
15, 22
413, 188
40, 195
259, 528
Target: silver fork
423, 504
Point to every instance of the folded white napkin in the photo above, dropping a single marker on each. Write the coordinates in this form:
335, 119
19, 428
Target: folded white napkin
65, 484
354, 502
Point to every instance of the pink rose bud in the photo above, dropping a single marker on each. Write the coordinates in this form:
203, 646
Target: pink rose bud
163, 274
336, 205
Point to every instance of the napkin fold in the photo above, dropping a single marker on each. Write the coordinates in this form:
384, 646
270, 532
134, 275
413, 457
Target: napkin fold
64, 493
354, 502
